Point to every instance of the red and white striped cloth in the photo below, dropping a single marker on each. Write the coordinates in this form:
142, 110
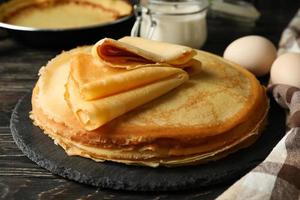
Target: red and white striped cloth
278, 176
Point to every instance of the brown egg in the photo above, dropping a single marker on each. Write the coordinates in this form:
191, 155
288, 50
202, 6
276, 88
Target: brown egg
255, 53
286, 70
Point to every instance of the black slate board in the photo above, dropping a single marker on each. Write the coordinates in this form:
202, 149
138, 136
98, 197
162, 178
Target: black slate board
41, 149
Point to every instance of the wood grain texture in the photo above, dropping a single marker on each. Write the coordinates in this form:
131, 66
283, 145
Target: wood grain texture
20, 178
31, 188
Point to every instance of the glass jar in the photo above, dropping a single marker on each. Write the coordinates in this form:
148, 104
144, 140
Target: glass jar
175, 21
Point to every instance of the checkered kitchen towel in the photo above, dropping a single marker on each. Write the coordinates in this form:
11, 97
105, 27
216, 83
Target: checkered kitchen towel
278, 176
290, 39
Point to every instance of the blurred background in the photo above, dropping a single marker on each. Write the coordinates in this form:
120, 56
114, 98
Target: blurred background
221, 28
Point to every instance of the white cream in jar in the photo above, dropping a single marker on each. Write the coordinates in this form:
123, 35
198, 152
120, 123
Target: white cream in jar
175, 21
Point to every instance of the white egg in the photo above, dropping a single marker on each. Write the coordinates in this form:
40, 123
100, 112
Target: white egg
286, 70
254, 53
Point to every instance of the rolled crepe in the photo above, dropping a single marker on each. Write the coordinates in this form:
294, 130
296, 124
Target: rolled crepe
97, 93
134, 52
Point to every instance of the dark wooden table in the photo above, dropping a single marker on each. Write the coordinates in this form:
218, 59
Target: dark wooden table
20, 178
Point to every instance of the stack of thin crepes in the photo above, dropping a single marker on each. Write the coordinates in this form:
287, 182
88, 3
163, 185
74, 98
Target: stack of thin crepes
137, 101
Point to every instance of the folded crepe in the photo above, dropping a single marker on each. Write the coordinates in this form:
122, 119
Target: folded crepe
122, 75
211, 115
97, 93
133, 52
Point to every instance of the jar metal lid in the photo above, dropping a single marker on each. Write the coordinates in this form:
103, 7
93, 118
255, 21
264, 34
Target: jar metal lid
156, 6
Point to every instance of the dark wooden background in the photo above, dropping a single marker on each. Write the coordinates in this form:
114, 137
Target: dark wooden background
20, 178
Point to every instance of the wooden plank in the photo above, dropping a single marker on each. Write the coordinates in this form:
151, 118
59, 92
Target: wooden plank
31, 188
9, 88
8, 100
25, 172
8, 147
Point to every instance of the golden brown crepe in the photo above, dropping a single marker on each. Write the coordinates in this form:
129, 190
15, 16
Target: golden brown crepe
97, 93
97, 80
214, 113
57, 14
133, 52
